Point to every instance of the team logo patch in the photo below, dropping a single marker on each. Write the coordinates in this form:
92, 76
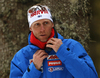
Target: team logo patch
52, 57
52, 69
54, 63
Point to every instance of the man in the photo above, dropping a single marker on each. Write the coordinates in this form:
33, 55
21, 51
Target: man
48, 54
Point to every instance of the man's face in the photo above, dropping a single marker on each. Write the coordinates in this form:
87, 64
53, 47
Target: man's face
42, 29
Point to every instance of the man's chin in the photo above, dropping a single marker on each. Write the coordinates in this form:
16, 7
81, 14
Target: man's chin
43, 40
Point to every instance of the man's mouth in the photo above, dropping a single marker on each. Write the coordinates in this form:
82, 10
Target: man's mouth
42, 35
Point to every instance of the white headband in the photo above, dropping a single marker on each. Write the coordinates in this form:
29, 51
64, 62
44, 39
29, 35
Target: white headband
36, 13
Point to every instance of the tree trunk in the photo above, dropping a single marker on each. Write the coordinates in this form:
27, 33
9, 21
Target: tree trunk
72, 19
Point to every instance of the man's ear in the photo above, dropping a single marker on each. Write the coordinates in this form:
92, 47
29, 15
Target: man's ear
52, 24
30, 29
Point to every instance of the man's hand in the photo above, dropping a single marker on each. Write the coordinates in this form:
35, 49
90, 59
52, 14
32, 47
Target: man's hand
56, 43
38, 58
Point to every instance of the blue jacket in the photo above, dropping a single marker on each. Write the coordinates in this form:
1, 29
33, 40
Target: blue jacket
70, 61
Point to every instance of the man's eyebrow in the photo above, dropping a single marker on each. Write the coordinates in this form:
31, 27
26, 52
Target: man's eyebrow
36, 22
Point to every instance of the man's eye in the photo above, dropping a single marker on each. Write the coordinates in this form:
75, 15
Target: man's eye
45, 22
37, 24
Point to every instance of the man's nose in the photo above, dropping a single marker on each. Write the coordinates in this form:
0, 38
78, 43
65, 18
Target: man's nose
42, 27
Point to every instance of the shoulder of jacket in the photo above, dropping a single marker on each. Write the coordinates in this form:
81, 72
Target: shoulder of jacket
26, 52
70, 41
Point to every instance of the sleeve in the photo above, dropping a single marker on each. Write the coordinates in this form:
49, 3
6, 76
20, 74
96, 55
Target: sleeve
20, 70
77, 61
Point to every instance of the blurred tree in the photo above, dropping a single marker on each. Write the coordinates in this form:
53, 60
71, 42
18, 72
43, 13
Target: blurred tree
72, 18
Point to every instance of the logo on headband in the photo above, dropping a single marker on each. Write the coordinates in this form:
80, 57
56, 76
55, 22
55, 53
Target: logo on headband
39, 16
39, 12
